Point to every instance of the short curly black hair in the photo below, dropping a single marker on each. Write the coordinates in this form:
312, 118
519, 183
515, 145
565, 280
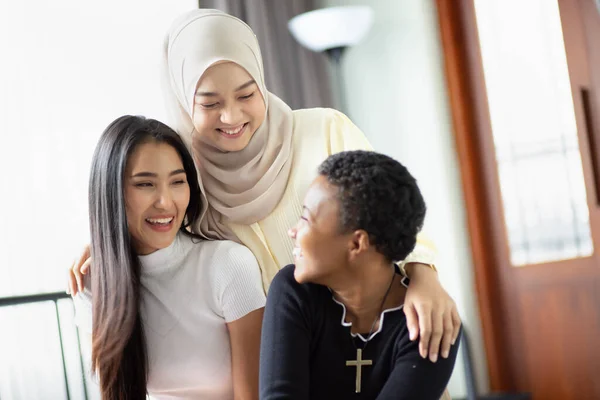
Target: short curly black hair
377, 194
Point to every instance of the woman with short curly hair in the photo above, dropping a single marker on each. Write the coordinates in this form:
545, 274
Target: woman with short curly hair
333, 325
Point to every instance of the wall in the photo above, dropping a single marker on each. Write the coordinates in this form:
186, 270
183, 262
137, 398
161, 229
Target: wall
69, 68
396, 93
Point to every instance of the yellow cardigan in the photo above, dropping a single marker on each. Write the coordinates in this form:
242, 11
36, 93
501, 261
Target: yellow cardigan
318, 133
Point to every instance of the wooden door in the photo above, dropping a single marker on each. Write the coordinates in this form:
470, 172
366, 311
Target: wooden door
523, 78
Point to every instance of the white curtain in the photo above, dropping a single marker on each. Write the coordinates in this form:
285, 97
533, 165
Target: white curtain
67, 69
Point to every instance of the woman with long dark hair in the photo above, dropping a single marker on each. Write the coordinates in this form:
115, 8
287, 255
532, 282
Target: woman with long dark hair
172, 315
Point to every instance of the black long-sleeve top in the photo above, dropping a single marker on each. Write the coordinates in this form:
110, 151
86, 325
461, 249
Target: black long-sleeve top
305, 346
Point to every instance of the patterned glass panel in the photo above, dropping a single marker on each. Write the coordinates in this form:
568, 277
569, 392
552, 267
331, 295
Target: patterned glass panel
534, 130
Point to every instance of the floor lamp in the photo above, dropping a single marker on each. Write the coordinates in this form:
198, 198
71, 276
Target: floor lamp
332, 30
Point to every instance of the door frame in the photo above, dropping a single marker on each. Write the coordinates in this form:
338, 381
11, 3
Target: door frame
468, 107
495, 284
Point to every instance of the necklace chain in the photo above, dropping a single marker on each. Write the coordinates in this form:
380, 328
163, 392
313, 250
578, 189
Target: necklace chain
387, 292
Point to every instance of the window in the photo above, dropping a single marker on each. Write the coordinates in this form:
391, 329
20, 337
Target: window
68, 68
534, 130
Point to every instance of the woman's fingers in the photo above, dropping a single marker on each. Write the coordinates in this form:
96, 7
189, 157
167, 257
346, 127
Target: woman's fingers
412, 321
456, 325
448, 335
85, 268
424, 313
437, 332
71, 282
81, 264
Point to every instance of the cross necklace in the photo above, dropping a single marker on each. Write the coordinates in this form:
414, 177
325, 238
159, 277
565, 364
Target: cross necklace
359, 362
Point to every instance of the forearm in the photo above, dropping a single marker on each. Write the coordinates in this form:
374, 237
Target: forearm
416, 271
244, 336
245, 380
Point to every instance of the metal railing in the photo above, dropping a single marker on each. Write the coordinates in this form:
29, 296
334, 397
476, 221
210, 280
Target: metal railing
53, 297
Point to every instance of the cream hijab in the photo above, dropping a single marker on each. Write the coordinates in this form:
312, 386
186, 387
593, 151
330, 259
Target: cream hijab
244, 186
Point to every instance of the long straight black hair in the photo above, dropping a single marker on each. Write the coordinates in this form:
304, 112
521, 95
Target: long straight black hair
119, 356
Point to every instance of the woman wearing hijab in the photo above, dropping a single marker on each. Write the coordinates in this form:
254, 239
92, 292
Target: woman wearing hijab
256, 158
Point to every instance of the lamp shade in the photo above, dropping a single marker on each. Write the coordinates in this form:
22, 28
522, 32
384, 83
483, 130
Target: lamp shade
332, 27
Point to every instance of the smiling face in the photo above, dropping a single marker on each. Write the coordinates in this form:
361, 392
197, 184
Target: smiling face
321, 250
228, 107
156, 196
